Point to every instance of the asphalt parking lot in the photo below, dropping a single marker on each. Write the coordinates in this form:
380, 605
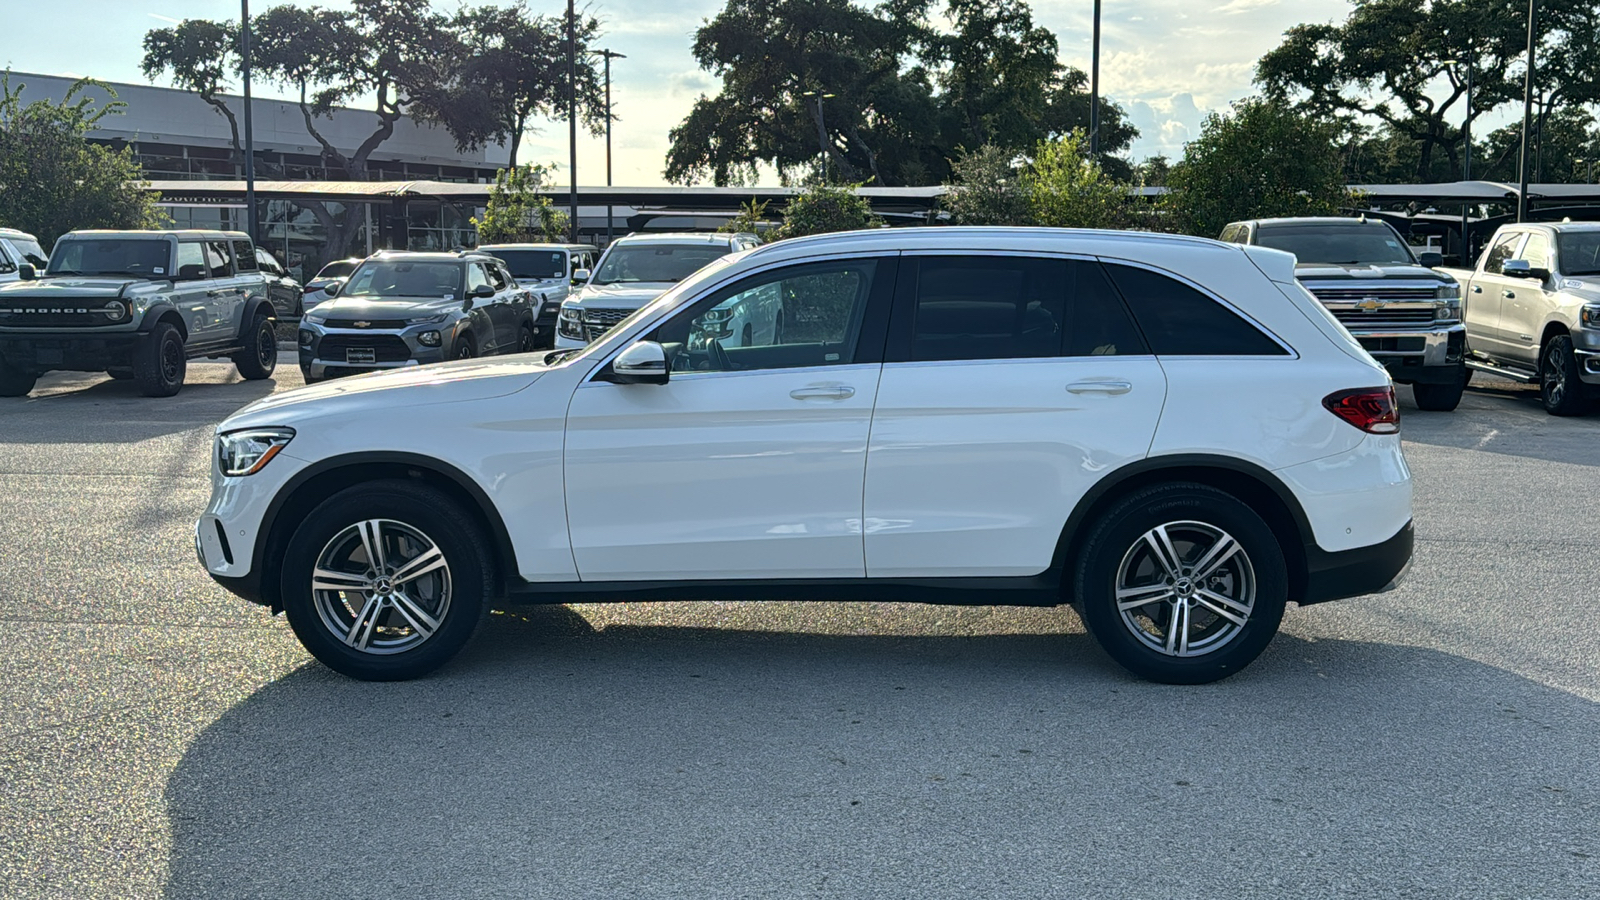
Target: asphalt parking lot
159, 738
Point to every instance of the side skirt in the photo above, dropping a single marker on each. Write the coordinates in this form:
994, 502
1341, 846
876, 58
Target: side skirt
1032, 590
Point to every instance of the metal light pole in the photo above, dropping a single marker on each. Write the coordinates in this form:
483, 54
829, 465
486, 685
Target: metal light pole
572, 118
822, 135
609, 55
1466, 165
252, 217
1527, 114
1094, 86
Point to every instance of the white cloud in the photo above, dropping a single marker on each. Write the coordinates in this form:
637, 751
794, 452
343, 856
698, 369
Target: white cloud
1236, 7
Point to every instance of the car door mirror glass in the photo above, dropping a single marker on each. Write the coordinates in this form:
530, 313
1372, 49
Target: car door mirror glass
643, 363
26, 272
1520, 268
332, 290
580, 276
1430, 260
483, 290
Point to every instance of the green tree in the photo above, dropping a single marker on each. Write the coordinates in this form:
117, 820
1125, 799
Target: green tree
823, 208
201, 56
53, 180
752, 219
1261, 158
987, 188
1565, 148
518, 211
1067, 189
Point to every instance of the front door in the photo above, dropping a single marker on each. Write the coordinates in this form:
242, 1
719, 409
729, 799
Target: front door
1487, 295
1012, 384
748, 463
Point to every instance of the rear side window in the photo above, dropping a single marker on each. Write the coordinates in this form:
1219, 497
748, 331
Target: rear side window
245, 255
217, 262
1178, 320
1099, 324
972, 307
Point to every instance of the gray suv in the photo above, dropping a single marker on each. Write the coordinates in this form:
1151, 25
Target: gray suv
402, 309
138, 305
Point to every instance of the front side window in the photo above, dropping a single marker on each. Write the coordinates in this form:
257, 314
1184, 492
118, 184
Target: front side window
1536, 251
31, 252
809, 315
654, 263
496, 279
404, 278
1501, 251
1178, 320
973, 307
191, 262
137, 257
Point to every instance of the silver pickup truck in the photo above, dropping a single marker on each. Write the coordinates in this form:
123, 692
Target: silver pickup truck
1532, 309
1404, 313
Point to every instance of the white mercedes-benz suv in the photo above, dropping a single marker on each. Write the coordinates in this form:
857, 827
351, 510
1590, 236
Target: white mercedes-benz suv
1167, 432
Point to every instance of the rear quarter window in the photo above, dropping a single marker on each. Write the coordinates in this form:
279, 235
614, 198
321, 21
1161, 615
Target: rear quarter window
1178, 320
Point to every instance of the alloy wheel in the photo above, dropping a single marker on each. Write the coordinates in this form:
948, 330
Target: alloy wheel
1185, 589
381, 587
1555, 375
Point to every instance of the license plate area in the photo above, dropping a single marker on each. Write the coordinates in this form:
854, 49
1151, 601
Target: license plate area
360, 356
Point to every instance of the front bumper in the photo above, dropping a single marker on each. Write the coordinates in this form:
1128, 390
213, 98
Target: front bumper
329, 352
36, 351
228, 533
1412, 357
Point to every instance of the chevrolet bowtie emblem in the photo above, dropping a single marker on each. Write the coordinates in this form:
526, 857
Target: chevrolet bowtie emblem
1369, 304
362, 324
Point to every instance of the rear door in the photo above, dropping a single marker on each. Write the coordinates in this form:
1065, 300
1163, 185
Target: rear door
1011, 383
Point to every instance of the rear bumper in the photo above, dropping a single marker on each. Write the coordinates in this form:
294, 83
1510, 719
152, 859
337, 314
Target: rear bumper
1363, 570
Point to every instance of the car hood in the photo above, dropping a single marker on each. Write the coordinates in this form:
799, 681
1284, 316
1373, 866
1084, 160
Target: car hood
387, 308
79, 286
1361, 271
620, 296
403, 390
1586, 287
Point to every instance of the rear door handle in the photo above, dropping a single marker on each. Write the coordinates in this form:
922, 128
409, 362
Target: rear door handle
1476, 289
831, 392
1509, 295
1100, 387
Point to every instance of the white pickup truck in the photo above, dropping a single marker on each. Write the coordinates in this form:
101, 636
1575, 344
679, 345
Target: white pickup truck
1532, 310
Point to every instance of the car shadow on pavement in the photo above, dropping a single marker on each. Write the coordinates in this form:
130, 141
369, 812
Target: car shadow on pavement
554, 760
110, 411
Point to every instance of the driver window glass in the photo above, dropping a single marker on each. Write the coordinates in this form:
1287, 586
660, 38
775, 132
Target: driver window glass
496, 277
191, 262
1536, 251
797, 317
1500, 252
475, 277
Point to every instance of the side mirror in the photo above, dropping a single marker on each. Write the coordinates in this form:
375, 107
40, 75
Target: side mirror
332, 290
580, 276
1519, 268
1428, 259
27, 272
482, 290
643, 363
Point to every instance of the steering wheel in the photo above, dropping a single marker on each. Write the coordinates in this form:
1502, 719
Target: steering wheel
719, 356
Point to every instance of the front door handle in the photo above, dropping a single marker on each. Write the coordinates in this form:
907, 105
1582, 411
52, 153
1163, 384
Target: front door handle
1476, 289
1100, 387
831, 392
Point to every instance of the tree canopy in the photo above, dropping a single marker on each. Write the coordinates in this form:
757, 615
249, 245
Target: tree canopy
53, 180
898, 96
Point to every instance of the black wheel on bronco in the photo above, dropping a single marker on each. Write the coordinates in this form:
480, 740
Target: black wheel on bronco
1182, 583
386, 581
160, 363
15, 382
120, 373
259, 357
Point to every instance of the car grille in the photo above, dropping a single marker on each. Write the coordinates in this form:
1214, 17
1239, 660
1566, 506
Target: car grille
57, 313
1381, 294
384, 347
365, 323
599, 321
1362, 320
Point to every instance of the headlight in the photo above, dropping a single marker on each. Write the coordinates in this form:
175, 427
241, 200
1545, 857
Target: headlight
428, 320
571, 313
1447, 312
313, 319
241, 453
1451, 291
1590, 316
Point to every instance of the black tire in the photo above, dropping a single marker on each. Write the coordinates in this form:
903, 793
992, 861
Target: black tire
465, 348
396, 648
121, 374
1560, 388
160, 364
1254, 580
259, 358
525, 339
15, 382
1440, 397
305, 373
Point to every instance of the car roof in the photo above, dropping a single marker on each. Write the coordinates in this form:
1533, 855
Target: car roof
1334, 221
192, 234
680, 237
487, 248
982, 238
430, 255
12, 232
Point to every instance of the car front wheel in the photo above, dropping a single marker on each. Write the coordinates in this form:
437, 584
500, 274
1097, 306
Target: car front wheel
386, 581
1182, 583
160, 365
1560, 388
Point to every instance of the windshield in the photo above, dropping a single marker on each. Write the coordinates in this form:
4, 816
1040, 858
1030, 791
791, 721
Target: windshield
139, 257
665, 301
398, 278
31, 254
1375, 244
340, 269
1579, 252
530, 265
654, 262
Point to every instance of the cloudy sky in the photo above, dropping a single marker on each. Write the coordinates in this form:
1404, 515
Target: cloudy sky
1168, 62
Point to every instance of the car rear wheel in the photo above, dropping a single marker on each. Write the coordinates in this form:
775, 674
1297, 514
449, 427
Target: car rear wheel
160, 365
386, 581
259, 358
1182, 583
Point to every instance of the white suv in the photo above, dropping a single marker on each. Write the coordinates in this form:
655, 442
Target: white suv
1166, 431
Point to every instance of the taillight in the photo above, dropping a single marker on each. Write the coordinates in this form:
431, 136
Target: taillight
1372, 410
